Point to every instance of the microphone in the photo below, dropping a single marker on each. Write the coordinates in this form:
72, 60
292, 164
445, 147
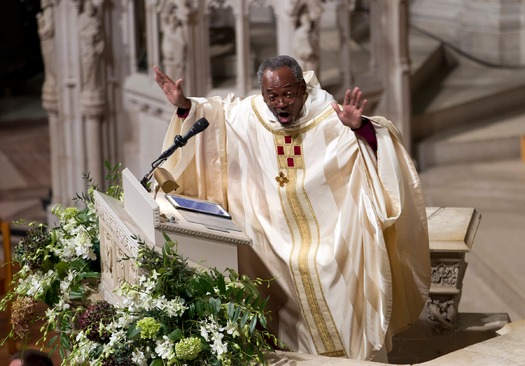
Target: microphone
180, 141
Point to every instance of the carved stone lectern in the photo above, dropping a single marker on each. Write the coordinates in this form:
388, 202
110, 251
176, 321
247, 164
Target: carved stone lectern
205, 240
451, 232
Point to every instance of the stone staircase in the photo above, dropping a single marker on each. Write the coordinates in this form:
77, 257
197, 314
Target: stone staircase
464, 112
468, 121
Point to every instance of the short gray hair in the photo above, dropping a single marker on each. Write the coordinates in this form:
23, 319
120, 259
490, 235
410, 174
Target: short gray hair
274, 63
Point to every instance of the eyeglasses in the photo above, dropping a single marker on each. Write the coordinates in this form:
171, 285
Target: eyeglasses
288, 97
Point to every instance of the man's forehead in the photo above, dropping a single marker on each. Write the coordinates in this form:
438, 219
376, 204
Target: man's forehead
278, 78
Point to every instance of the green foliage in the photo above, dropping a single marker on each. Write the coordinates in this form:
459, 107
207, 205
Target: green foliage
174, 314
59, 266
180, 315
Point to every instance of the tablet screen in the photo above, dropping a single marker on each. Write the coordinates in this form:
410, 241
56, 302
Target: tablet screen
186, 203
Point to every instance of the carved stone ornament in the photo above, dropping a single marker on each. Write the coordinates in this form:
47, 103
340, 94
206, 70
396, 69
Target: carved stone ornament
46, 32
168, 227
92, 44
106, 219
445, 275
442, 311
174, 46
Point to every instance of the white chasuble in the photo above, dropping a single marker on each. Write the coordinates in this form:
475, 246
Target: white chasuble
342, 232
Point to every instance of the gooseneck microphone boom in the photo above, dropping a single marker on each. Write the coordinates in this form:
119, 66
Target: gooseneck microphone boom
178, 141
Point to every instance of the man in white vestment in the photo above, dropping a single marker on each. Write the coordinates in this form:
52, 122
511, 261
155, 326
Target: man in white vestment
330, 199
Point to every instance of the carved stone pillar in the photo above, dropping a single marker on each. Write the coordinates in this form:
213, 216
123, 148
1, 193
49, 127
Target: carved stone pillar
179, 44
344, 9
93, 95
285, 27
46, 32
304, 17
56, 138
93, 120
174, 45
242, 44
391, 61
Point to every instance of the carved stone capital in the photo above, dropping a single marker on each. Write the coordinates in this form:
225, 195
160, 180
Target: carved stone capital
442, 311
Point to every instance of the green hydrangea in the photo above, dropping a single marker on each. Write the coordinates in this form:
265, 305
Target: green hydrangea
188, 348
149, 327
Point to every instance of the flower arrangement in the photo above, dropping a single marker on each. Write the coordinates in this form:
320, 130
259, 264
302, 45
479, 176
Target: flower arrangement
174, 315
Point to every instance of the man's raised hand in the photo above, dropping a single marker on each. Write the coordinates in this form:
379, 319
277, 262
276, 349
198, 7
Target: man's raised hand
352, 108
172, 90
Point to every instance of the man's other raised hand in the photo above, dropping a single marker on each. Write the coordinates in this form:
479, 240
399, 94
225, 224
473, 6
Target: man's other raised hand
172, 90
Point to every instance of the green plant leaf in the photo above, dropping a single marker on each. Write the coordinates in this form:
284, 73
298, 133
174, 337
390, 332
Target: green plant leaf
175, 335
262, 321
215, 305
231, 310
244, 319
133, 331
157, 362
253, 323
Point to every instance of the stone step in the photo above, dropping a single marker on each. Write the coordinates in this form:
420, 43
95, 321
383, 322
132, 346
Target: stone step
428, 61
493, 139
463, 112
467, 94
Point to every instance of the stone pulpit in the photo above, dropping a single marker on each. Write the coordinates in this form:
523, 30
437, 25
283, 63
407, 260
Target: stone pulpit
204, 239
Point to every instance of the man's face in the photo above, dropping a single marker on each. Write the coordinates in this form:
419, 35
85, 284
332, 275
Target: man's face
17, 362
283, 94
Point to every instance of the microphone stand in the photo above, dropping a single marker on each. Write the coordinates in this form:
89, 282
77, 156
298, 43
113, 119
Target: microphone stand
179, 141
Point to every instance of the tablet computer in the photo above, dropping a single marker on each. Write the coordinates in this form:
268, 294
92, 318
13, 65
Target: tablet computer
195, 205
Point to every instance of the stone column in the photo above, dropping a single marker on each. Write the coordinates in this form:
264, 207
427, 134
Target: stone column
344, 9
92, 98
391, 61
285, 27
93, 113
56, 138
46, 32
242, 44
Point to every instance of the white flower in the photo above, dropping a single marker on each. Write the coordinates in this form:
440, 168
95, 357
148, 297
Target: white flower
65, 285
61, 305
165, 349
218, 346
77, 244
123, 321
175, 307
116, 337
231, 328
82, 350
154, 275
211, 332
35, 284
138, 357
204, 333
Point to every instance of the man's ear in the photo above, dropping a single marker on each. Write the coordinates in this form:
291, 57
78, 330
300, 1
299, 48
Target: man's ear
303, 86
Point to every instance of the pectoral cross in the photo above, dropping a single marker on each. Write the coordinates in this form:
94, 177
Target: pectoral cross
281, 179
